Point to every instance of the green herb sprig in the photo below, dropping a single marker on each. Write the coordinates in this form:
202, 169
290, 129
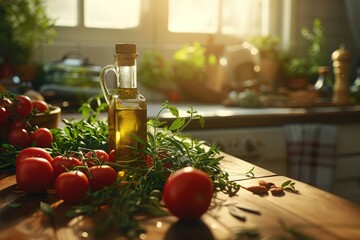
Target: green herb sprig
138, 188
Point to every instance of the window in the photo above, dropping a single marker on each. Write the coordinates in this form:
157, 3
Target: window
236, 17
245, 17
112, 14
64, 12
193, 16
117, 14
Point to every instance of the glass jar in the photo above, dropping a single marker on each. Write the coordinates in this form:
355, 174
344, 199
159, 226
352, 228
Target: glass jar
324, 84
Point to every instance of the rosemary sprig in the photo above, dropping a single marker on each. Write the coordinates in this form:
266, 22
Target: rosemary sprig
133, 194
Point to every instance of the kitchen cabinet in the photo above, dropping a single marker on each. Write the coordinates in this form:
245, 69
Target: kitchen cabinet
266, 147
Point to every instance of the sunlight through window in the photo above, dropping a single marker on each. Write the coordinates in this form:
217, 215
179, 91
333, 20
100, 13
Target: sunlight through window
64, 12
118, 14
245, 17
193, 16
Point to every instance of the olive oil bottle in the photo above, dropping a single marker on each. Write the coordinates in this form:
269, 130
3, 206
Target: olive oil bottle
127, 114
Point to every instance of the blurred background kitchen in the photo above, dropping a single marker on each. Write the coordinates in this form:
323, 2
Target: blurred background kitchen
248, 53
261, 72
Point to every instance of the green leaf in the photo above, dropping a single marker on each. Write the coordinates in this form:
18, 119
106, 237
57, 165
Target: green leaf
174, 111
46, 208
14, 205
177, 124
286, 183
201, 121
250, 172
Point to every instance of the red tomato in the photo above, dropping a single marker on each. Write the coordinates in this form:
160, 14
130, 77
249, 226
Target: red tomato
187, 193
22, 105
33, 152
40, 106
99, 154
34, 175
101, 176
4, 116
42, 137
60, 164
5, 102
72, 187
112, 156
15, 124
19, 137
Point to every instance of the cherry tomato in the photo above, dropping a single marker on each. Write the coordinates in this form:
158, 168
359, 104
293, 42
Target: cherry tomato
5, 102
34, 175
4, 116
72, 187
22, 105
112, 156
19, 137
15, 124
187, 193
101, 176
42, 137
101, 155
33, 152
61, 164
40, 106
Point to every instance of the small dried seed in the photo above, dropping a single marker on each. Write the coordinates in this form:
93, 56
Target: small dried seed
260, 190
266, 184
277, 191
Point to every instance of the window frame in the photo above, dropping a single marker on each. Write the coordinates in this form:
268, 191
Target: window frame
152, 33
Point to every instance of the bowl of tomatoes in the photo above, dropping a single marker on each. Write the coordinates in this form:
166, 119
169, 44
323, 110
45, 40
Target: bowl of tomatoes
49, 118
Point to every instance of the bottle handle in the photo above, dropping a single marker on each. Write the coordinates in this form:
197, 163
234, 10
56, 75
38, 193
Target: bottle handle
103, 85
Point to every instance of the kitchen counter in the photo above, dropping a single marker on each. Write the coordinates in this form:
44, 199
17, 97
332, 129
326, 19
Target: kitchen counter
219, 116
310, 212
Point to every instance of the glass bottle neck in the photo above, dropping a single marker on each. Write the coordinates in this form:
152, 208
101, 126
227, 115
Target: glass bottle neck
126, 70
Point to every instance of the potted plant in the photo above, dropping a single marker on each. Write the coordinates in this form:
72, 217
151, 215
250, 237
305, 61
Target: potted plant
299, 71
296, 70
268, 47
24, 25
155, 72
316, 52
196, 73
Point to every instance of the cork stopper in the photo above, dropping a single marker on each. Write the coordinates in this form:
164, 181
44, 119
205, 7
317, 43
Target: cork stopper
125, 48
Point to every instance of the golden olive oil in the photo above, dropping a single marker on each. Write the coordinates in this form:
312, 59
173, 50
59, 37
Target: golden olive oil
123, 124
127, 107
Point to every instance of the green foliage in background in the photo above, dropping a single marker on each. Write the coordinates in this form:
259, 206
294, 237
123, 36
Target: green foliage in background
24, 24
190, 62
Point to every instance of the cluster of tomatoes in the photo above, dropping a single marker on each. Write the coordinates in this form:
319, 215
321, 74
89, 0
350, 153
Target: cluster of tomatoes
15, 113
71, 177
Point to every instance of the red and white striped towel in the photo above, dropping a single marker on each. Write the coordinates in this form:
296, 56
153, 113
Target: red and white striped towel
311, 151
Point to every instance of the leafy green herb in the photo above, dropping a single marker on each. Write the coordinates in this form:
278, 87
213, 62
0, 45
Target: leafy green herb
289, 186
14, 205
250, 173
134, 192
46, 208
90, 132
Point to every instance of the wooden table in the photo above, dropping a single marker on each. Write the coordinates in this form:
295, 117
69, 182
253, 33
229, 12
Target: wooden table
312, 212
